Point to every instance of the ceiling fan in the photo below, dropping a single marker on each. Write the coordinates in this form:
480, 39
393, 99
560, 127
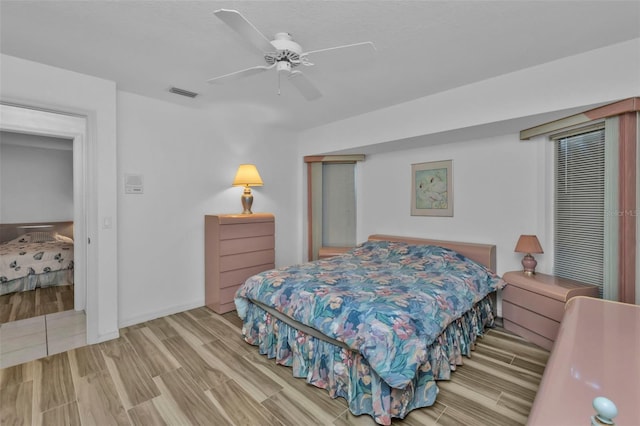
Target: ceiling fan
282, 54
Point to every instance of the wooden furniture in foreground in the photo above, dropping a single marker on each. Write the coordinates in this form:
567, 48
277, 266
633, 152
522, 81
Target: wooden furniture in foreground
533, 305
595, 354
235, 248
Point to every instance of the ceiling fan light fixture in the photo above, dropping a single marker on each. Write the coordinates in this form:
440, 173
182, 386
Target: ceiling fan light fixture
284, 66
283, 41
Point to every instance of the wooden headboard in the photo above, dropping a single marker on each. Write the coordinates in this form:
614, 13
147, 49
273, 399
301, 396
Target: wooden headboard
9, 231
484, 254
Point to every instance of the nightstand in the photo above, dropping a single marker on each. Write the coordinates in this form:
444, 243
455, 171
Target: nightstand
327, 252
533, 305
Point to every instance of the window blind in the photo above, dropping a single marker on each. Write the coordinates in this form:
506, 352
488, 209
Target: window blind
338, 205
331, 201
580, 207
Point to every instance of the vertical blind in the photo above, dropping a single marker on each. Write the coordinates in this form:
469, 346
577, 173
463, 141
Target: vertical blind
338, 205
580, 207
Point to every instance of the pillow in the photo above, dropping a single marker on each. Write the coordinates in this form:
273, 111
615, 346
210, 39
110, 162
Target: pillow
43, 236
63, 239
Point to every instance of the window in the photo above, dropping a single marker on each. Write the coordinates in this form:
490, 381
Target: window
331, 208
338, 205
579, 226
621, 201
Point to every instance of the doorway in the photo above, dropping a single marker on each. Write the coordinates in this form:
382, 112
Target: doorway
24, 120
36, 216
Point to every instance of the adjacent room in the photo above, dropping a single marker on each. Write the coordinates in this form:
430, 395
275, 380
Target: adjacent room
37, 248
345, 212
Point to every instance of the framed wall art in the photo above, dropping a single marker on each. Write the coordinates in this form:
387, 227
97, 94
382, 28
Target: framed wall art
432, 189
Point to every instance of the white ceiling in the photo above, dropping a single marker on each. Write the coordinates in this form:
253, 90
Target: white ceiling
423, 47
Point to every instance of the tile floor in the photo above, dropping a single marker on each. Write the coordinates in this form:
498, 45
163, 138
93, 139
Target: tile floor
37, 337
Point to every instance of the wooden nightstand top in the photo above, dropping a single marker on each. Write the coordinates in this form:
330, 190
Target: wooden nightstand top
551, 286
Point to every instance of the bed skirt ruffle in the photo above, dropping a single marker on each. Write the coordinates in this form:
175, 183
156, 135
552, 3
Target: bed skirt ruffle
344, 373
31, 282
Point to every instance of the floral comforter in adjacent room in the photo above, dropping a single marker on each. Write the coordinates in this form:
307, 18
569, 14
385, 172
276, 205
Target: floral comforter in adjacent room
23, 257
385, 300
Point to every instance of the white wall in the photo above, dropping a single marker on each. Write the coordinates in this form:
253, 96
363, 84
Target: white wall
501, 184
32, 84
188, 158
494, 188
605, 75
36, 183
151, 258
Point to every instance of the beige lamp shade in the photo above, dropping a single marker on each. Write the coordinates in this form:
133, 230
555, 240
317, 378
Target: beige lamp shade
247, 175
528, 244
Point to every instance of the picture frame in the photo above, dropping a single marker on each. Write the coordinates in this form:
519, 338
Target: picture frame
432, 188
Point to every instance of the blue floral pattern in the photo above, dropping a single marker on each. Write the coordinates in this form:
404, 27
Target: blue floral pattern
387, 301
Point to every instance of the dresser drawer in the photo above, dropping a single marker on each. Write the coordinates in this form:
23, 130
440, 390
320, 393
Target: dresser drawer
246, 230
245, 245
228, 294
246, 260
239, 276
543, 305
530, 320
539, 340
221, 308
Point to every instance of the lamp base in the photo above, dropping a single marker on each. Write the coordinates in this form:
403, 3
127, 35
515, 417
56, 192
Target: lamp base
247, 200
529, 264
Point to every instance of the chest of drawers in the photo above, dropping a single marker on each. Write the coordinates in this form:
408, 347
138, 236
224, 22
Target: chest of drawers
236, 247
533, 305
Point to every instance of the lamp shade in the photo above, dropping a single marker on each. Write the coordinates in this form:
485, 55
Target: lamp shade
528, 244
247, 175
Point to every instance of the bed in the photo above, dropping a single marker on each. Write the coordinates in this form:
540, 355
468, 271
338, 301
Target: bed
39, 256
378, 325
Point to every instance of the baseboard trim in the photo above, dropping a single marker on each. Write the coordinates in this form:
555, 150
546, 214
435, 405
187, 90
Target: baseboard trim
158, 314
104, 337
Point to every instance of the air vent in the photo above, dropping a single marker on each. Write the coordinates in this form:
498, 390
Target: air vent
183, 92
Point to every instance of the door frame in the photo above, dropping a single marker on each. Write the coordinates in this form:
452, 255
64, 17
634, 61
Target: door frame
22, 119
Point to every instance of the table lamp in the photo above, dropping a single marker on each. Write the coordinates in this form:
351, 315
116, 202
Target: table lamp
528, 244
247, 176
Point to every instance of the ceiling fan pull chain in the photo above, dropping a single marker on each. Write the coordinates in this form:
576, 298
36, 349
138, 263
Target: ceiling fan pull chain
278, 83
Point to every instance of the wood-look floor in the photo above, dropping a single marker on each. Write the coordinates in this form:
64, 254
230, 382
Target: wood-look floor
33, 303
194, 368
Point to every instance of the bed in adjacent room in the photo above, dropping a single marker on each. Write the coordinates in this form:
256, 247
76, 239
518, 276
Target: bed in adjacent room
377, 325
35, 255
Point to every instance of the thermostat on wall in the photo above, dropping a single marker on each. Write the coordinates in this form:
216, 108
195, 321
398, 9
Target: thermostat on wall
133, 184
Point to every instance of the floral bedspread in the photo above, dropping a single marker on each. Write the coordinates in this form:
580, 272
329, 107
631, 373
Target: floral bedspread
20, 258
387, 300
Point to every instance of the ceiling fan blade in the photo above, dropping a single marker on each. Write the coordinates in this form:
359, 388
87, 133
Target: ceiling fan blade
239, 24
240, 74
304, 85
365, 46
